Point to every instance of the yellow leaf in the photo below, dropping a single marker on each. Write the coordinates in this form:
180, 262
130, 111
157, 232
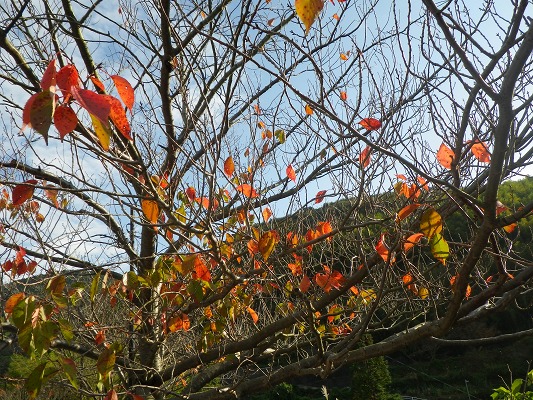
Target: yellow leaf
307, 11
430, 223
150, 210
102, 132
423, 293
439, 248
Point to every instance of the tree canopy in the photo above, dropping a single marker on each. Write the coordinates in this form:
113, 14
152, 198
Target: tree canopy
161, 158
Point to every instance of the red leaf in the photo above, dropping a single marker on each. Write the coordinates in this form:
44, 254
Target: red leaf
480, 151
125, 90
111, 395
23, 192
118, 116
290, 173
305, 284
364, 157
67, 77
96, 104
38, 112
319, 198
191, 193
247, 191
229, 166
100, 337
65, 120
48, 81
370, 124
445, 156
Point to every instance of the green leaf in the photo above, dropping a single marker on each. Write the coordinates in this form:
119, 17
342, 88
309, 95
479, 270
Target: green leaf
35, 381
69, 369
439, 248
131, 280
280, 135
105, 363
66, 329
94, 286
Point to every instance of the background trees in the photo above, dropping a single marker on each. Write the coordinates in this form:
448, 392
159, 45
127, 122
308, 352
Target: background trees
178, 199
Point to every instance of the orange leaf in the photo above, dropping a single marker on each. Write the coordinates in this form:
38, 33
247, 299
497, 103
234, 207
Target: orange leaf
12, 302
445, 156
229, 166
307, 11
370, 124
200, 270
319, 198
336, 17
401, 177
382, 250
407, 279
96, 104
204, 201
23, 192
423, 183
344, 57
96, 82
48, 81
510, 228
267, 213
411, 241
343, 96
364, 157
118, 116
253, 314
330, 279
308, 109
290, 173
480, 151
151, 210
324, 228
65, 120
179, 322
247, 191
406, 211
125, 90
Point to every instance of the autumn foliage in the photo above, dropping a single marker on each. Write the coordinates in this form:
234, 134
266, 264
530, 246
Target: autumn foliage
241, 191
